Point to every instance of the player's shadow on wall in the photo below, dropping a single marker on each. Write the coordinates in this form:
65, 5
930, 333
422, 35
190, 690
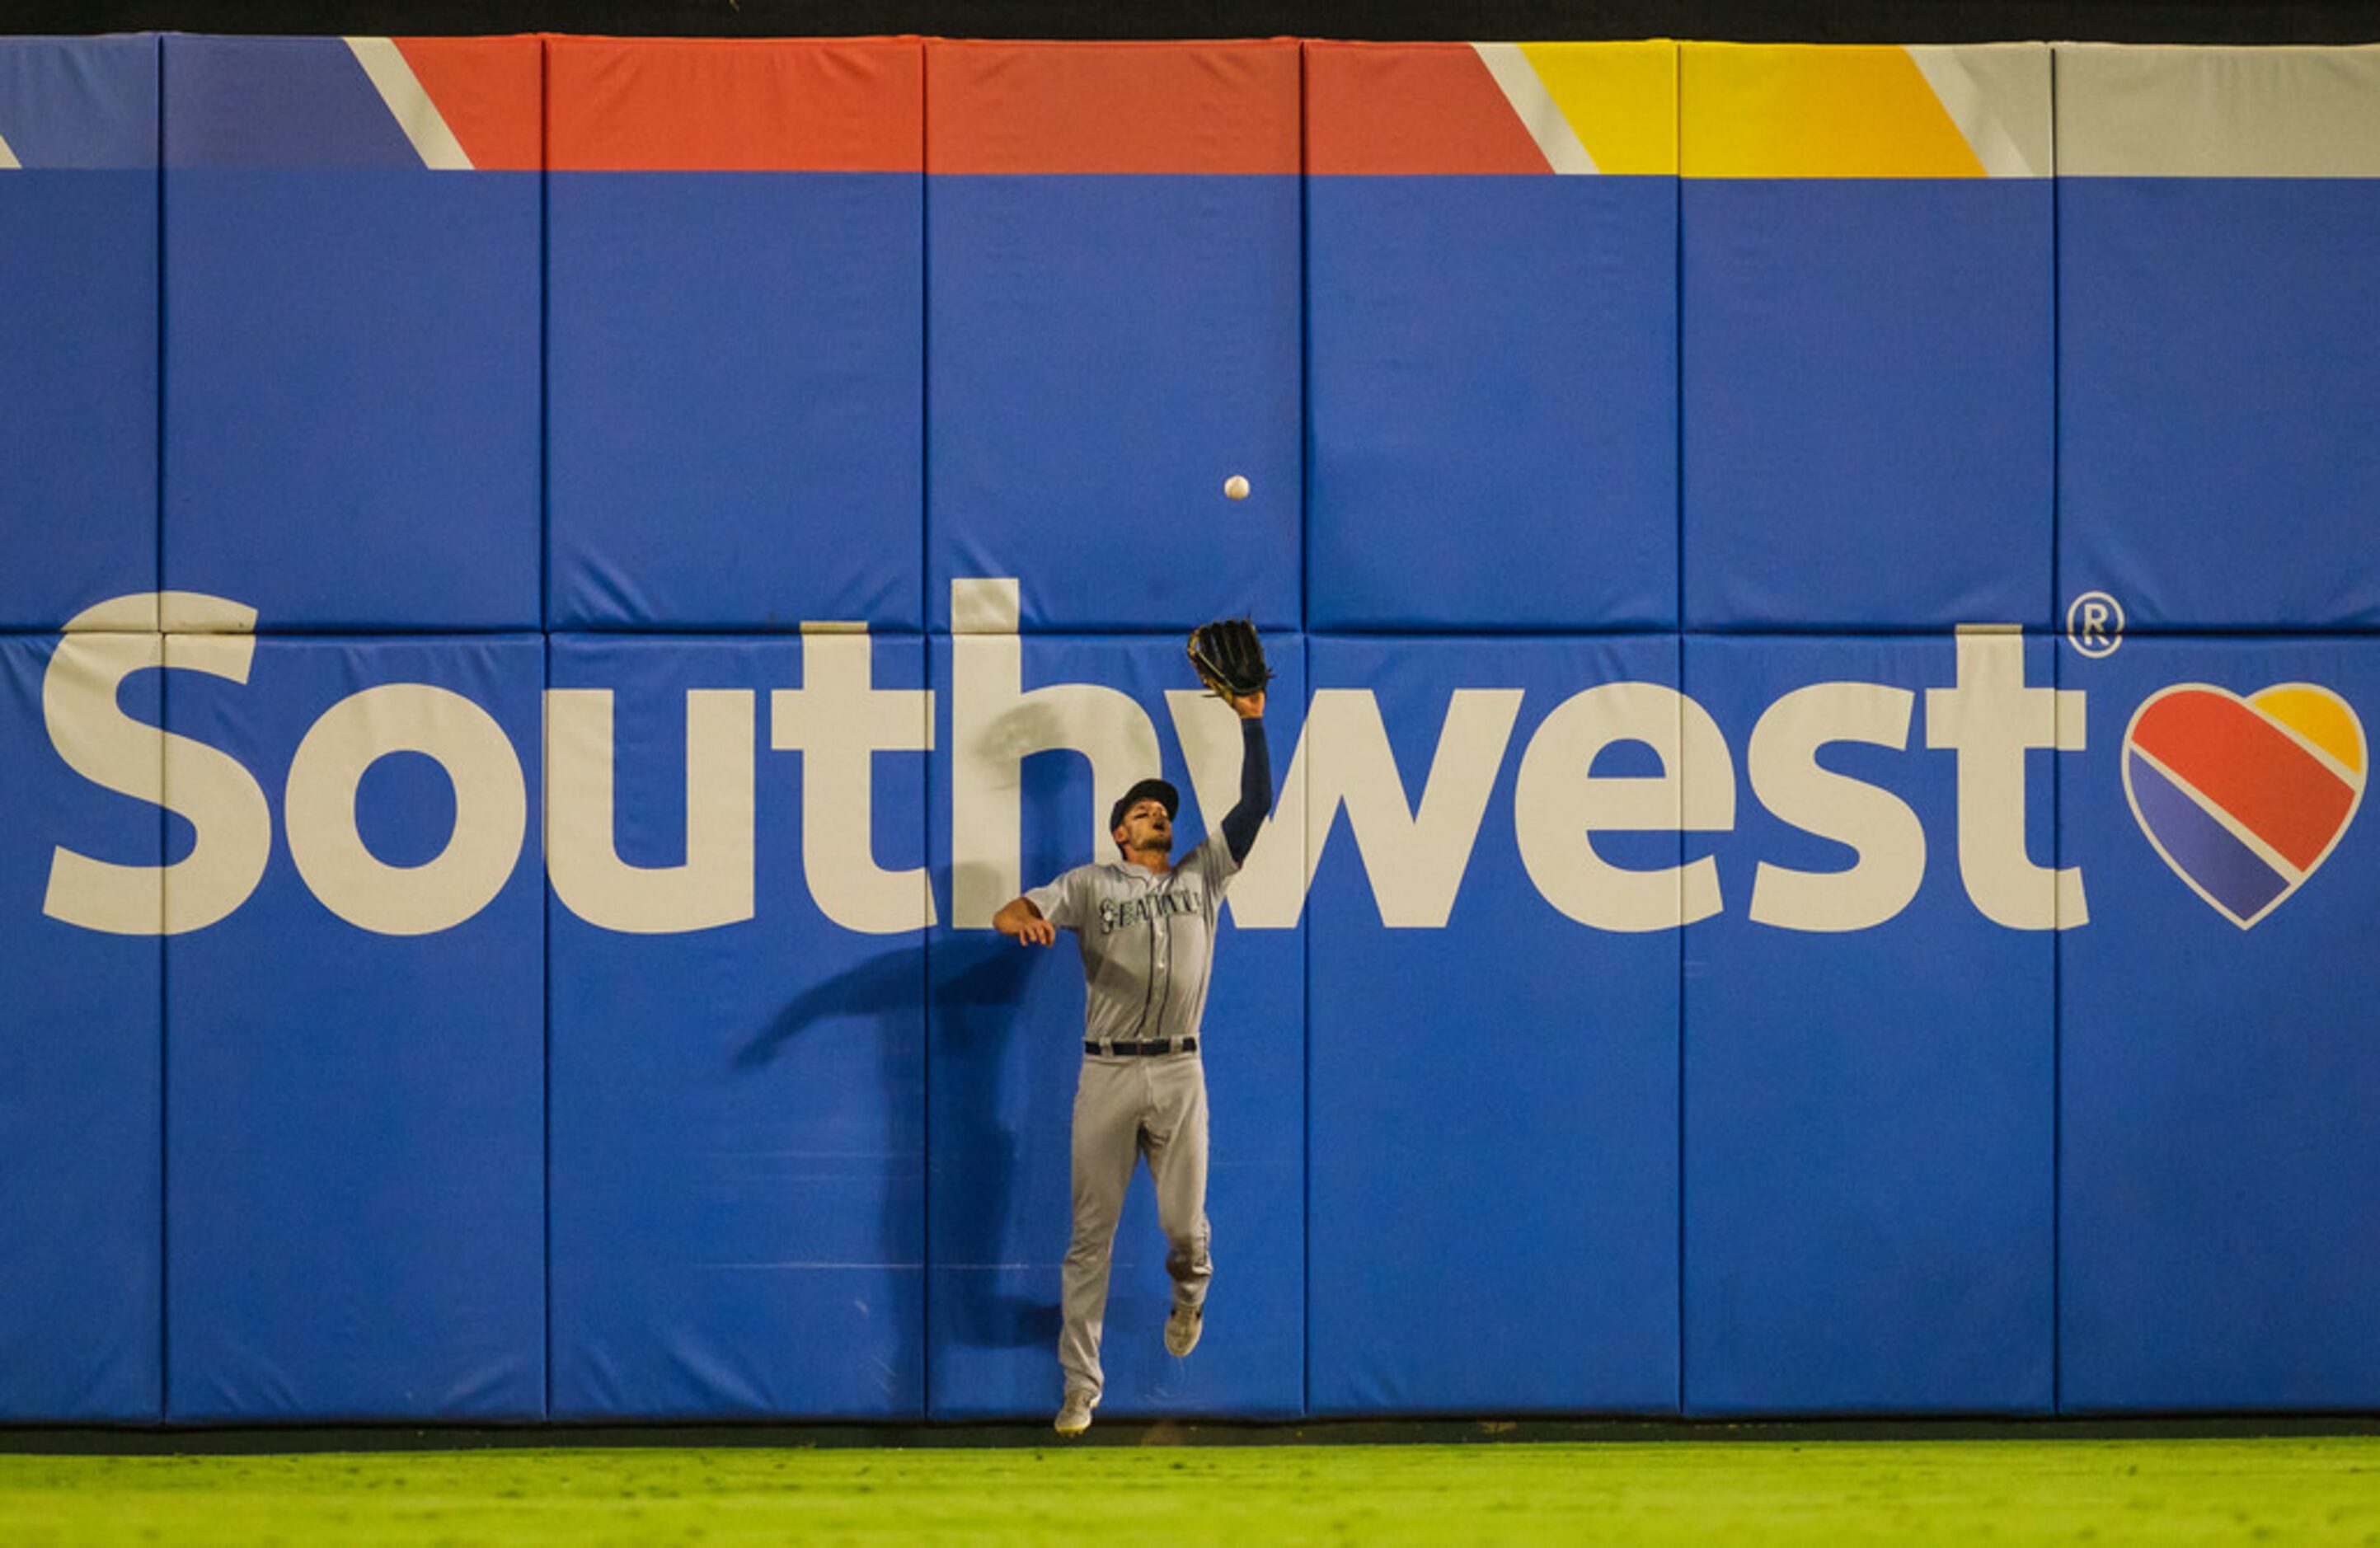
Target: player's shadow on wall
881, 986
974, 1003
883, 993
1000, 1111
979, 1221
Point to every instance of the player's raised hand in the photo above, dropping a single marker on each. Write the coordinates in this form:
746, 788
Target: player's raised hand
1230, 660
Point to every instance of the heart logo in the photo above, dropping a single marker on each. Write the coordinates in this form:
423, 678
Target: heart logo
2245, 798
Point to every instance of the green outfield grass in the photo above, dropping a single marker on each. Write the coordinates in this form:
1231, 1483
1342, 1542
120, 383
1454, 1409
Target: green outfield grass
1711, 1494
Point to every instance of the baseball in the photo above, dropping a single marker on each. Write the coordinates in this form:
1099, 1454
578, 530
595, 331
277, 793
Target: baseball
1235, 487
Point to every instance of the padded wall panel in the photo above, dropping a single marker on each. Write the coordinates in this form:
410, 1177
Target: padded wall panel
1493, 1118
1007, 1034
2219, 334
1493, 359
355, 1111
736, 298
78, 266
1867, 302
352, 295
2219, 1195
80, 1055
1869, 1081
1113, 330
738, 1066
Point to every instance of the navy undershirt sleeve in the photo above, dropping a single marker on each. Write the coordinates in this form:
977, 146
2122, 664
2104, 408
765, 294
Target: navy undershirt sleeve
1241, 823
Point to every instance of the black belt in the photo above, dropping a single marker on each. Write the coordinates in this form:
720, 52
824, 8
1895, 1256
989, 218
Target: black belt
1162, 1046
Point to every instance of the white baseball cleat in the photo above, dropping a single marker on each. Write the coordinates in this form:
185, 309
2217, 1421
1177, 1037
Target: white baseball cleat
1183, 1327
1075, 1414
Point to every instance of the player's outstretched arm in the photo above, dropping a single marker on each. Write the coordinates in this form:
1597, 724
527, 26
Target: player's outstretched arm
1246, 818
1022, 922
1228, 659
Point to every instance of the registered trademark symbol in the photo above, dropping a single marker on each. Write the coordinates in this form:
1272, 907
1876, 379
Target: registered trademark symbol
2094, 624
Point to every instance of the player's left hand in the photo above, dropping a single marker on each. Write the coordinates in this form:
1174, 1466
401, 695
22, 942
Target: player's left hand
1228, 659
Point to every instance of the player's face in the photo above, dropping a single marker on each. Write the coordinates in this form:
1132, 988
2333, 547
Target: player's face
1146, 830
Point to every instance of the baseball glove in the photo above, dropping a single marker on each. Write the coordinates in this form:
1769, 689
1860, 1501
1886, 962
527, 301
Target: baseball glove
1229, 657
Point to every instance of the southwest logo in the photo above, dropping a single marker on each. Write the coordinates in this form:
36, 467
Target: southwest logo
2244, 798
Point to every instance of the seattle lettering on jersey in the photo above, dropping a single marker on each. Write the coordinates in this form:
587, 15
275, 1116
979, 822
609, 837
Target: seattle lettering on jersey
1114, 915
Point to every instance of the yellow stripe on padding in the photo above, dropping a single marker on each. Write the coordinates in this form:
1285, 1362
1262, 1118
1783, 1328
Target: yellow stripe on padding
2319, 716
1808, 110
1621, 100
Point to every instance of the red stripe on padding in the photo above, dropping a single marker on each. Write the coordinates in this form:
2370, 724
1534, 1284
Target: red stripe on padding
2248, 768
490, 91
1116, 107
678, 105
1410, 108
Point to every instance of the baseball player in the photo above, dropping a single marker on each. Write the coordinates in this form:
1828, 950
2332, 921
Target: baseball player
1146, 928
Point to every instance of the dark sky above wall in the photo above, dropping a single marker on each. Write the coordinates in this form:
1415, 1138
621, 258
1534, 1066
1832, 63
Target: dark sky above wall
2280, 21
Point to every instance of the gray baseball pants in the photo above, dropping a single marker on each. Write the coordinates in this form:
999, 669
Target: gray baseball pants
1127, 1107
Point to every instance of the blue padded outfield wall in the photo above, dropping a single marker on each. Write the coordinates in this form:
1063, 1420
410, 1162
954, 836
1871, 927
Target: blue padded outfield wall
1823, 601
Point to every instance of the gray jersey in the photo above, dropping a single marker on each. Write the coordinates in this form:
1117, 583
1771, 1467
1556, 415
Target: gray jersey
1147, 940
